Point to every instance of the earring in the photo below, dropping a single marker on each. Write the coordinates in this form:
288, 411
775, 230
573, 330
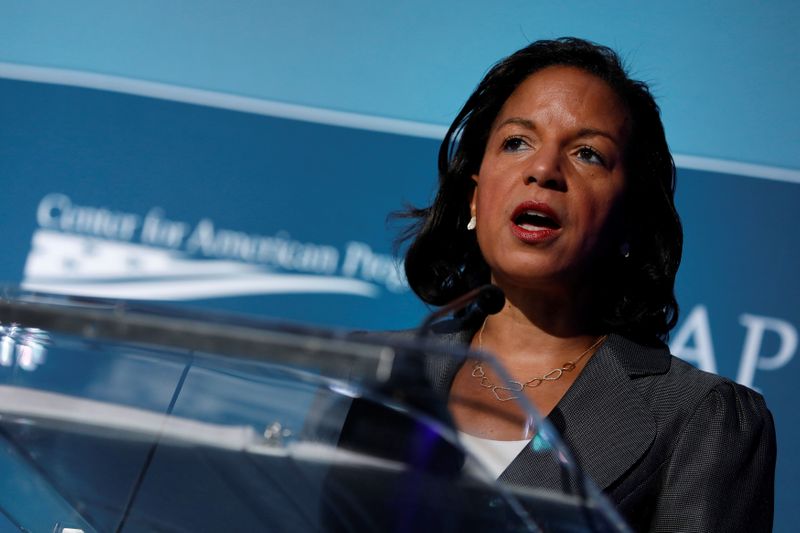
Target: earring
473, 223
625, 250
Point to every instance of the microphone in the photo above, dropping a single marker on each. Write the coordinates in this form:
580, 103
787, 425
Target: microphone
485, 300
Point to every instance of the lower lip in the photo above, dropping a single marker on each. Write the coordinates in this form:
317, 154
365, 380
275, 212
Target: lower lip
533, 236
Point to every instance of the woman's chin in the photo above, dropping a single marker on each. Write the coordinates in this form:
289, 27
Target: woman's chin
535, 280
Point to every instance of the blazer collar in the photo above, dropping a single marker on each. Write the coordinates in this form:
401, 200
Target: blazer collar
602, 418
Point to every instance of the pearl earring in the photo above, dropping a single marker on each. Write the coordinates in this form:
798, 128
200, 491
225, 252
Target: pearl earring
625, 250
473, 223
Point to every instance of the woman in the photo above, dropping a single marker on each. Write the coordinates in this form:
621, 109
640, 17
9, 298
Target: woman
556, 184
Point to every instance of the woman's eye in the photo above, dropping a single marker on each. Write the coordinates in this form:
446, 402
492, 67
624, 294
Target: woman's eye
512, 144
590, 155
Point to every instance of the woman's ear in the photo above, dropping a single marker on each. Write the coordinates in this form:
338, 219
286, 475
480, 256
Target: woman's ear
473, 201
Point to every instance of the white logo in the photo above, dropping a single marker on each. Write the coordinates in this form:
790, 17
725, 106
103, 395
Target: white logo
91, 251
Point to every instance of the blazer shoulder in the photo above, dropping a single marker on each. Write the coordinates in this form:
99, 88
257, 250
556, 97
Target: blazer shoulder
726, 396
707, 382
684, 392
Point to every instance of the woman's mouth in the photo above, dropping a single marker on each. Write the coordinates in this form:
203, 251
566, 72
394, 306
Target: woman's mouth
534, 222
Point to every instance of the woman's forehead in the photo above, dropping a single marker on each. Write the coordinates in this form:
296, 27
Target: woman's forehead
568, 97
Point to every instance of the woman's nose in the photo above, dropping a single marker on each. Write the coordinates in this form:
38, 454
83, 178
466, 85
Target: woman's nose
545, 169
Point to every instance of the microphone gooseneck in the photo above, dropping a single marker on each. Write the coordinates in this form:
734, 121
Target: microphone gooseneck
487, 300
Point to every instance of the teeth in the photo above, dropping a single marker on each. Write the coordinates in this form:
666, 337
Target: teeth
532, 219
536, 213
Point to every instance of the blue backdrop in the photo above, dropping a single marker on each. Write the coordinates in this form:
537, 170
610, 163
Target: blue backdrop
250, 202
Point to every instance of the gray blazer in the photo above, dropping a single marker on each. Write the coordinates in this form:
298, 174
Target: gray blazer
675, 448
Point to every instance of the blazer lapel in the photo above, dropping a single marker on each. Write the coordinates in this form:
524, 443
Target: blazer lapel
602, 418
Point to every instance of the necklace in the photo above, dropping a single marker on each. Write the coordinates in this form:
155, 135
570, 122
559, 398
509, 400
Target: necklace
506, 392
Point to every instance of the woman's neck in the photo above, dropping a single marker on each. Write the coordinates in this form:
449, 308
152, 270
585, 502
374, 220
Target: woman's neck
546, 326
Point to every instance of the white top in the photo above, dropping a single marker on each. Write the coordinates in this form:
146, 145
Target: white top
494, 455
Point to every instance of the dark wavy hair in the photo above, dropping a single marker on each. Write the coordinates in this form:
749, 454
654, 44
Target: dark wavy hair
634, 295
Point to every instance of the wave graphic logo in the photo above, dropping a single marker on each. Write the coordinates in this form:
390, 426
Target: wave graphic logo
62, 263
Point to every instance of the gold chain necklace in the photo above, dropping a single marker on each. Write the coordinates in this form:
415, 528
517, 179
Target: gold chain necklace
518, 386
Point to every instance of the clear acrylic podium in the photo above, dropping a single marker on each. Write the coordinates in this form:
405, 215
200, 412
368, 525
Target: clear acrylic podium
116, 416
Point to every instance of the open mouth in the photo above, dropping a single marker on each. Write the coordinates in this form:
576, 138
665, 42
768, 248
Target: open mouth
531, 220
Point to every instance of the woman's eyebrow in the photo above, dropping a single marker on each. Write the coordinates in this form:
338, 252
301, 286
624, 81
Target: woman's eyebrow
593, 132
524, 122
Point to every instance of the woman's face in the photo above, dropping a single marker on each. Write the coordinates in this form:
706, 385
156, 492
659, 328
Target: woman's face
549, 190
